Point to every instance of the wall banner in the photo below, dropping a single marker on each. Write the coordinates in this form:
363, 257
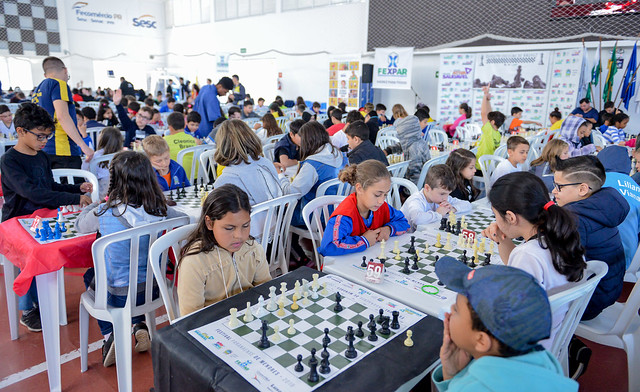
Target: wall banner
392, 68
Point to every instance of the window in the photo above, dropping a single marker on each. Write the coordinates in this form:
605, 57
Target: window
292, 5
234, 9
187, 12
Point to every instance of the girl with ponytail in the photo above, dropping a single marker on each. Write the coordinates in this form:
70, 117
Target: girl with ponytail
551, 250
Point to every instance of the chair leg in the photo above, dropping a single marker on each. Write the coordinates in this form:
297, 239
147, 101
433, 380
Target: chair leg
10, 272
84, 337
150, 318
122, 340
62, 299
631, 346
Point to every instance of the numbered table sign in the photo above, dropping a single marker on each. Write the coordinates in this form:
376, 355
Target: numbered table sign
374, 273
36, 223
471, 235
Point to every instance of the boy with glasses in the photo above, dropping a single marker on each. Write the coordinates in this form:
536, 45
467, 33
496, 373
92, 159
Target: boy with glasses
578, 186
139, 123
28, 185
6, 122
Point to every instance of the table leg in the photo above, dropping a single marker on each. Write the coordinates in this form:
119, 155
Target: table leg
50, 318
10, 273
62, 298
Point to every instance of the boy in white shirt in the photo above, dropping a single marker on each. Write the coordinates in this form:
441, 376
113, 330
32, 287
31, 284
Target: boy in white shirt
517, 150
433, 201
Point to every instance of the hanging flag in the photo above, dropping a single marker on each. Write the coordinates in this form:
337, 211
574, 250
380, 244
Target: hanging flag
596, 70
629, 84
612, 69
584, 83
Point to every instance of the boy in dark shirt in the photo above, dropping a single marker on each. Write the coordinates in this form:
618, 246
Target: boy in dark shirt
287, 150
27, 183
360, 145
141, 123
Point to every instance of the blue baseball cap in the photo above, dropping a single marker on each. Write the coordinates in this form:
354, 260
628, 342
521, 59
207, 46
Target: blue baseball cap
509, 301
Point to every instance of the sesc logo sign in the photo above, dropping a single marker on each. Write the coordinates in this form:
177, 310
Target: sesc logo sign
145, 22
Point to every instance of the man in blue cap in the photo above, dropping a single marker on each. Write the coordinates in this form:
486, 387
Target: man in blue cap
490, 340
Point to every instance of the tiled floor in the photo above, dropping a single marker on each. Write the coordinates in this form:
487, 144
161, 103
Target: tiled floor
23, 363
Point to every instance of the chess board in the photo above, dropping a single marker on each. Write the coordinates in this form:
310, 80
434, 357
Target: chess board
69, 221
476, 221
239, 346
190, 204
29, 27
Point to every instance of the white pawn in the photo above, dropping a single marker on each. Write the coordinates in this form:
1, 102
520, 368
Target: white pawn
314, 292
408, 341
447, 245
324, 289
305, 301
248, 316
260, 311
271, 306
233, 321
276, 334
291, 330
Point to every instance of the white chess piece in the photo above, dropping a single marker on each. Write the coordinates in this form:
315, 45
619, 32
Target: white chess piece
324, 289
291, 330
260, 311
382, 245
315, 283
271, 306
305, 285
276, 334
314, 292
233, 322
283, 291
305, 301
296, 289
248, 316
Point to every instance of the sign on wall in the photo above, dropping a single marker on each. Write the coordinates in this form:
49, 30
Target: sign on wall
392, 68
115, 16
344, 81
454, 84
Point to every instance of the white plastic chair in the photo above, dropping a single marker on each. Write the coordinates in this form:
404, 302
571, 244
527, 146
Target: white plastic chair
321, 118
93, 165
273, 139
251, 121
344, 188
437, 137
386, 141
268, 150
275, 218
69, 174
488, 164
159, 250
316, 214
94, 132
208, 164
633, 271
387, 131
577, 297
282, 121
195, 162
598, 139
501, 151
398, 169
94, 303
619, 326
537, 143
427, 165
393, 197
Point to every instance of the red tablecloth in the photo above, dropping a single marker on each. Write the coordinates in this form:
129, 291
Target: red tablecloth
33, 258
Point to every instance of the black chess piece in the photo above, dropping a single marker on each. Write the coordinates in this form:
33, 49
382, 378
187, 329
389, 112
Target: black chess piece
171, 194
395, 324
380, 316
443, 223
178, 194
406, 266
412, 247
264, 341
313, 367
338, 307
463, 258
436, 259
371, 320
372, 333
385, 326
324, 364
195, 183
458, 227
364, 262
351, 350
415, 263
472, 264
439, 283
346, 337
384, 267
359, 333
487, 259
299, 367
326, 339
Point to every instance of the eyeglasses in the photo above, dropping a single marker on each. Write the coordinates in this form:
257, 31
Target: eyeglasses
143, 117
560, 186
40, 137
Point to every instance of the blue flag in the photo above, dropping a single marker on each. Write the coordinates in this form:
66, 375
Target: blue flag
629, 85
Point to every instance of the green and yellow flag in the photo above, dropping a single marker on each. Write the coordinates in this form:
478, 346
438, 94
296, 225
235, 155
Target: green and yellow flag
612, 69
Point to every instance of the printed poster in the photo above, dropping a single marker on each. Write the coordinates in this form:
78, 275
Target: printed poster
344, 81
454, 84
564, 80
512, 70
392, 68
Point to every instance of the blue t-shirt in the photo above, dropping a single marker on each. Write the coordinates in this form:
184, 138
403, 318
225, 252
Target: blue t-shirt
48, 91
593, 113
208, 106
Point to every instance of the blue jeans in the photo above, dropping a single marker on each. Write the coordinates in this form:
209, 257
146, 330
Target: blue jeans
30, 299
117, 301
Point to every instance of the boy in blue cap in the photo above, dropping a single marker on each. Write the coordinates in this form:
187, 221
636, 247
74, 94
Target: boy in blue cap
490, 340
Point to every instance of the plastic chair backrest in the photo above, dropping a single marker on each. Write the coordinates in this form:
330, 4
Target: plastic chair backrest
427, 131
208, 163
343, 188
427, 165
93, 165
386, 141
501, 151
488, 164
269, 151
316, 214
133, 237
275, 218
195, 162
273, 139
251, 121
282, 121
437, 137
577, 297
94, 132
598, 139
393, 197
387, 131
69, 174
159, 251
632, 274
398, 169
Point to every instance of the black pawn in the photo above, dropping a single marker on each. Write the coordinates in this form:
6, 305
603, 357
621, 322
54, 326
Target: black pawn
264, 341
338, 307
463, 258
487, 259
171, 194
412, 247
299, 366
472, 264
364, 262
359, 333
324, 363
458, 227
351, 350
195, 184
313, 367
385, 327
415, 263
380, 317
406, 266
372, 335
394, 323
326, 339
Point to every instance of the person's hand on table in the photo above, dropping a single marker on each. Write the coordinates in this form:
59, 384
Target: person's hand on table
578, 115
371, 236
280, 168
84, 200
86, 187
598, 148
494, 233
385, 233
453, 358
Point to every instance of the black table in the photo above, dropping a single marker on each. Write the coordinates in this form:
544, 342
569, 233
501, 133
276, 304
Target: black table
180, 363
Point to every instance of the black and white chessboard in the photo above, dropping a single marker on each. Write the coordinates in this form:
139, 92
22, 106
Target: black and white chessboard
258, 365
29, 27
